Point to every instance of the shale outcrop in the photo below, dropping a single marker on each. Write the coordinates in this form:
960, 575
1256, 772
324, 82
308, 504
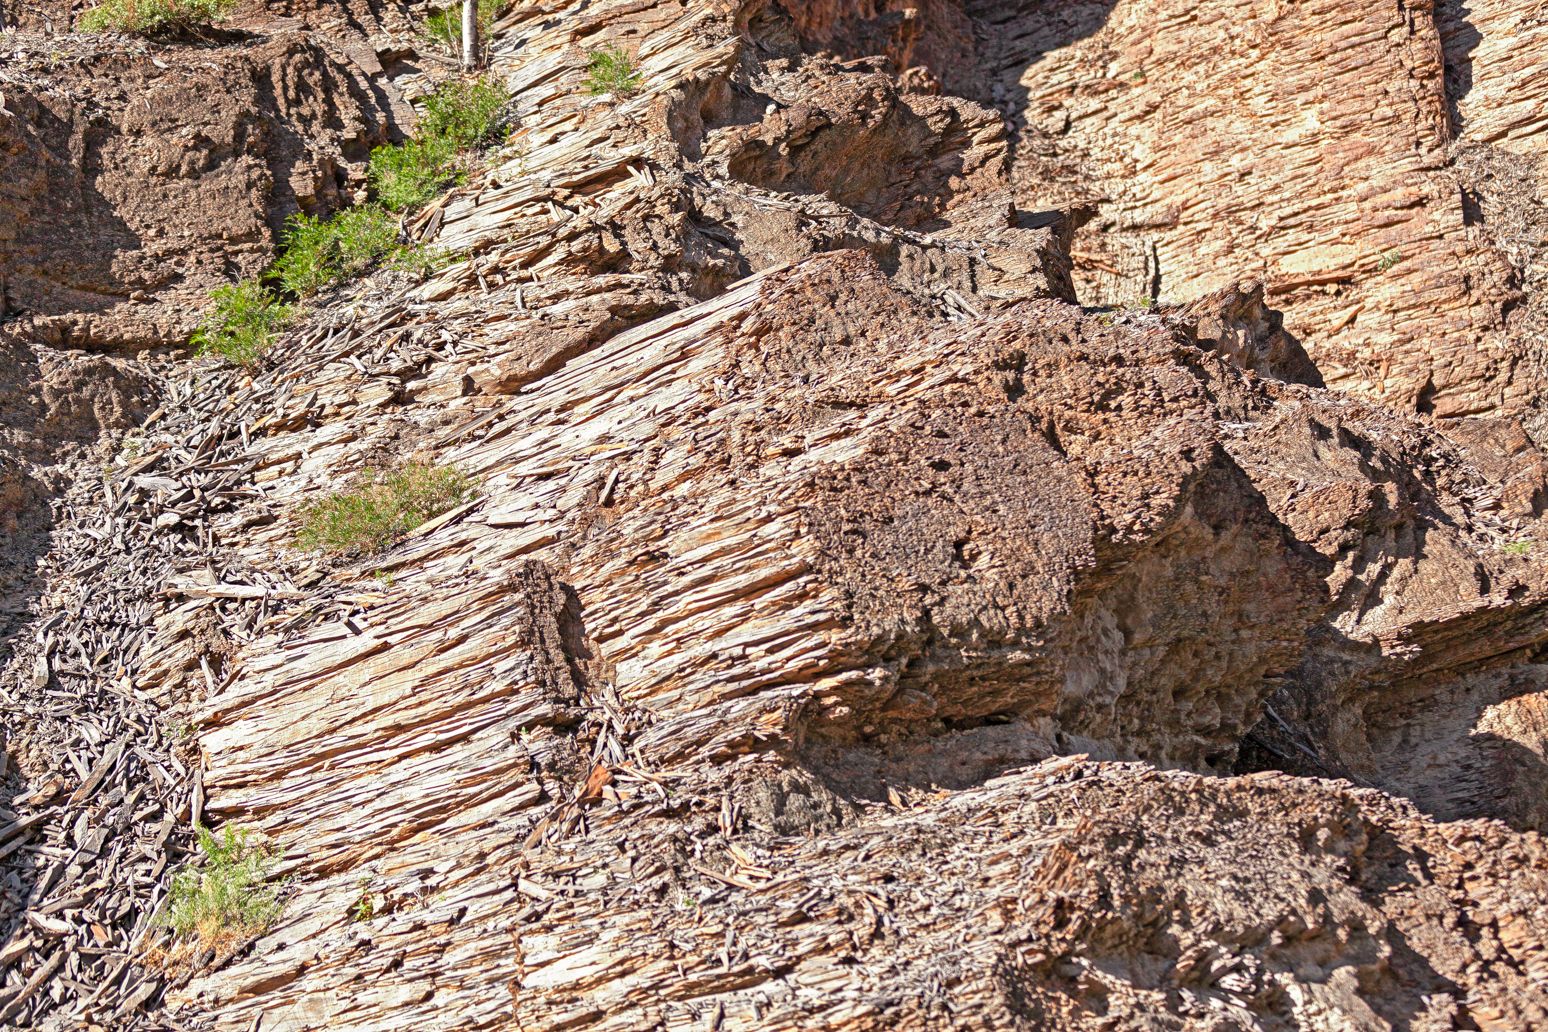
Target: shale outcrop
986, 515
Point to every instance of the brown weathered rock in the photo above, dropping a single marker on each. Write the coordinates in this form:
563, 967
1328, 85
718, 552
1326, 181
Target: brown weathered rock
130, 186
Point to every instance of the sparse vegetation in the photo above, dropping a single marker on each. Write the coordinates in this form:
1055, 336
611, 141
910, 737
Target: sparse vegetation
364, 908
460, 115
130, 447
230, 897
611, 71
407, 176
369, 518
242, 322
468, 112
422, 261
1388, 259
1517, 548
320, 253
152, 17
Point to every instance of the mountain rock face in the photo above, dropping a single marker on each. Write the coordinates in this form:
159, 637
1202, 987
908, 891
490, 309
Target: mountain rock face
988, 516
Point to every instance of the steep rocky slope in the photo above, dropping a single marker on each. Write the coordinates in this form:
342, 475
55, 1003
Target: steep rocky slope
988, 516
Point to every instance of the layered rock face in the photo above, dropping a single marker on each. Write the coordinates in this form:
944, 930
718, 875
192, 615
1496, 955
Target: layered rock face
851, 629
1310, 145
1314, 146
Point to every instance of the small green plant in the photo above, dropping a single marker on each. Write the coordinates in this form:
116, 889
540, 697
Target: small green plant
369, 518
152, 17
611, 70
228, 898
241, 323
422, 261
1517, 548
408, 175
319, 254
130, 447
466, 112
1139, 76
1143, 303
444, 25
364, 908
460, 115
1388, 259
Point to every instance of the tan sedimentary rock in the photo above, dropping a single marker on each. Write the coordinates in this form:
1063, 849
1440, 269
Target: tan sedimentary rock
1306, 144
1493, 53
816, 515
823, 556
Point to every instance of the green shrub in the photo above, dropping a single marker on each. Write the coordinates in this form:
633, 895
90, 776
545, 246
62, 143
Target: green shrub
369, 518
154, 16
611, 70
229, 896
465, 112
319, 254
407, 176
445, 25
422, 260
364, 908
1388, 259
242, 323
460, 115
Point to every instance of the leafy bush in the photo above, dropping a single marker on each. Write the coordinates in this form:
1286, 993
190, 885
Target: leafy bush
229, 897
611, 70
421, 260
407, 176
242, 323
466, 112
369, 518
445, 25
154, 16
319, 254
460, 115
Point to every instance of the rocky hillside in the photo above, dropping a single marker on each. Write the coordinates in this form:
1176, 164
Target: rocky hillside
951, 514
